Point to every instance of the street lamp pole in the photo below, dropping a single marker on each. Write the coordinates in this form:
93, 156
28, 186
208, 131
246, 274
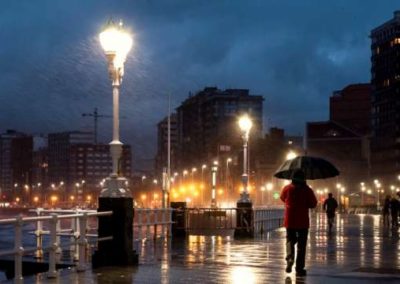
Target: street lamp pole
116, 43
214, 169
228, 160
245, 125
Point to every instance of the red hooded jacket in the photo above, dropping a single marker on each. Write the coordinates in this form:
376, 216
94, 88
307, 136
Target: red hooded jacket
298, 198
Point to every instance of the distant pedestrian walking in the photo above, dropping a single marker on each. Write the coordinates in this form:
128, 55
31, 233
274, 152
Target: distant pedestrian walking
330, 206
298, 198
385, 210
394, 211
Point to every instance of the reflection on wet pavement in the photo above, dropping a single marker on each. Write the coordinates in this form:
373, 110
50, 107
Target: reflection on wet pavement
359, 250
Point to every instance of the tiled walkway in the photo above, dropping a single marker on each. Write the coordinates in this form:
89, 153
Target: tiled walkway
360, 250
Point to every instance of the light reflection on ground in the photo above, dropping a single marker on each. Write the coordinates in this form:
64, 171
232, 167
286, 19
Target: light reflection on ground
359, 250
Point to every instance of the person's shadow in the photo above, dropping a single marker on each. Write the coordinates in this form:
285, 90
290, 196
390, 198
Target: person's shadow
296, 280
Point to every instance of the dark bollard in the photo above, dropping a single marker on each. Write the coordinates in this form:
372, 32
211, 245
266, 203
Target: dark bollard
178, 219
118, 251
244, 220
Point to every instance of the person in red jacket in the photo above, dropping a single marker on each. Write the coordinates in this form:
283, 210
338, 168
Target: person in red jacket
298, 198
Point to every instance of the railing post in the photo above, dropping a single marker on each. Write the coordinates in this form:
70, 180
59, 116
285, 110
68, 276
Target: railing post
77, 234
82, 243
164, 225
52, 273
139, 220
19, 250
155, 221
58, 238
39, 235
169, 222
147, 224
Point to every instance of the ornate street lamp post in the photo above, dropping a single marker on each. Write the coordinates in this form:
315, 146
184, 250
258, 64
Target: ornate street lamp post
214, 169
116, 43
115, 196
244, 216
245, 125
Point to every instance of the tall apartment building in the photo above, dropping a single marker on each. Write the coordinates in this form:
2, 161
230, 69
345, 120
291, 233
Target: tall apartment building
73, 158
351, 107
39, 162
385, 79
15, 162
343, 139
92, 163
162, 143
207, 124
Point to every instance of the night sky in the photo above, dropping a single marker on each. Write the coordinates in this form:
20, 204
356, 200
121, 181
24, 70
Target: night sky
294, 53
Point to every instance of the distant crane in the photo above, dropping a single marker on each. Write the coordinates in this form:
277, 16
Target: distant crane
95, 116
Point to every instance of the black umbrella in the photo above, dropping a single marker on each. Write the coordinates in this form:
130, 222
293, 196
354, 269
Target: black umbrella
313, 168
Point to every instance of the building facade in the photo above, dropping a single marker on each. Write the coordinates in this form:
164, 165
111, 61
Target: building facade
385, 80
15, 164
351, 107
207, 124
77, 164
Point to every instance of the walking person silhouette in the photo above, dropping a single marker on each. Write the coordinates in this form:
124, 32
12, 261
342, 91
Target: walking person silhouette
330, 205
298, 198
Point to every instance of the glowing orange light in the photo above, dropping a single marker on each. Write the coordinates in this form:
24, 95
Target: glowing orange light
143, 197
36, 199
54, 198
17, 199
72, 197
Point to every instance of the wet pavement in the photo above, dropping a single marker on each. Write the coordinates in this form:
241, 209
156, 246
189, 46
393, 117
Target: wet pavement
360, 250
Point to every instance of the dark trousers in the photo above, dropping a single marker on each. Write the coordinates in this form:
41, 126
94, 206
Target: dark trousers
298, 236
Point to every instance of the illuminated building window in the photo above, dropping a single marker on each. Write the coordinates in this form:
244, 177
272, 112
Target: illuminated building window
396, 40
386, 83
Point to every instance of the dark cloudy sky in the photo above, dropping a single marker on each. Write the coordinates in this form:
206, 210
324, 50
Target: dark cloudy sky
294, 53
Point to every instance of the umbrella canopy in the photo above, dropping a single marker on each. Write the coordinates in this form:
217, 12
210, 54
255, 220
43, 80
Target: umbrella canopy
313, 168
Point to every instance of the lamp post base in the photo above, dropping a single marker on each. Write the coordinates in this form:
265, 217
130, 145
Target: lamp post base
118, 251
244, 220
115, 187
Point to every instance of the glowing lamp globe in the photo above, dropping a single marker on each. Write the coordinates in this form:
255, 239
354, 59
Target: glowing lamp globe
245, 124
116, 41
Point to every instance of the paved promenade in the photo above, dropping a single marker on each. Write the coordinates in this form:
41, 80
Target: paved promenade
360, 250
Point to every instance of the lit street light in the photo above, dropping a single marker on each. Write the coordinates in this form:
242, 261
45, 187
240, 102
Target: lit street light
291, 155
245, 125
116, 43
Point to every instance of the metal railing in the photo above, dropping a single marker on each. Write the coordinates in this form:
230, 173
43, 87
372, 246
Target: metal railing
267, 218
210, 218
148, 221
78, 234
